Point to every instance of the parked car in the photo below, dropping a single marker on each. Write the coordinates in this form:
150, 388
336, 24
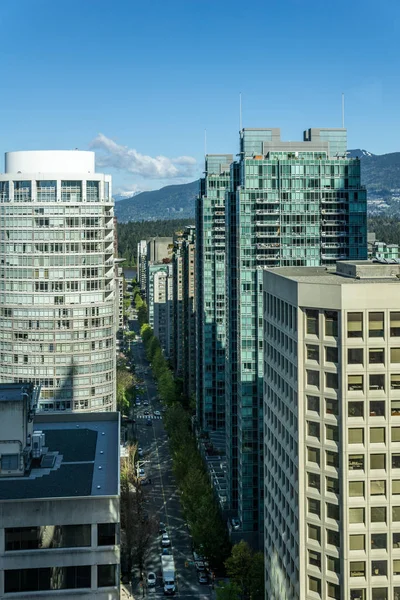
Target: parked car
235, 524
165, 541
202, 577
151, 579
162, 528
140, 452
141, 473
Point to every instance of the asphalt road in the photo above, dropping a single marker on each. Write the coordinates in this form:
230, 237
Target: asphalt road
162, 494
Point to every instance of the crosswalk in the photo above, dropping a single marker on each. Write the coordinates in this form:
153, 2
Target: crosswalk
149, 417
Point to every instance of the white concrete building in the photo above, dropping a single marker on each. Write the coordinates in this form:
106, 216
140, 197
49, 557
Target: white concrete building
57, 296
332, 432
59, 501
141, 264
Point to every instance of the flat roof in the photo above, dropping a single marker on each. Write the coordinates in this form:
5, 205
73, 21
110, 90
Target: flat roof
14, 391
85, 448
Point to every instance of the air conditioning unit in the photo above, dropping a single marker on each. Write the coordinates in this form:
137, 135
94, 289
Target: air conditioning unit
37, 444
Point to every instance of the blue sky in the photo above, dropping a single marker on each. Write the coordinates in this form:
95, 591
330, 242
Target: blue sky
151, 76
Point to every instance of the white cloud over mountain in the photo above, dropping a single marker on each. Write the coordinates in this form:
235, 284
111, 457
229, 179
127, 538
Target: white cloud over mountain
115, 156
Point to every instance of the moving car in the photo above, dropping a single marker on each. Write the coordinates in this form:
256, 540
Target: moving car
146, 403
149, 422
140, 451
156, 413
146, 412
162, 528
166, 552
202, 577
141, 473
151, 579
165, 541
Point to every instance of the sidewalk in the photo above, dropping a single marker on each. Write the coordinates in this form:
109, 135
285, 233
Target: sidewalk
126, 592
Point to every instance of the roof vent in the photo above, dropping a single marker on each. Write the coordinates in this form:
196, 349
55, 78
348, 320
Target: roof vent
37, 444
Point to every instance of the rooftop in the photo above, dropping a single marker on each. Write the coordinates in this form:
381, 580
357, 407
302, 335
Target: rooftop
84, 452
14, 392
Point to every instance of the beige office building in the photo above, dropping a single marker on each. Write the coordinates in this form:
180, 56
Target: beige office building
332, 432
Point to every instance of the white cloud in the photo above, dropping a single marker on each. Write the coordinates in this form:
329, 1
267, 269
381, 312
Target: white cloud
115, 156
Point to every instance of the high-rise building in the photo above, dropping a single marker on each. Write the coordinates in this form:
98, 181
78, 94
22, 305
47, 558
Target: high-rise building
141, 265
177, 305
57, 290
332, 431
59, 500
160, 305
290, 203
210, 290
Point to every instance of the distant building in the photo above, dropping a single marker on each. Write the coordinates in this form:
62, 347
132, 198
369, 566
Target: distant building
57, 291
159, 248
59, 500
178, 324
382, 251
141, 264
332, 431
159, 303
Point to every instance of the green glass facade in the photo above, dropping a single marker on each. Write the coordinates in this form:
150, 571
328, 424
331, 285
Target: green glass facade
210, 290
289, 203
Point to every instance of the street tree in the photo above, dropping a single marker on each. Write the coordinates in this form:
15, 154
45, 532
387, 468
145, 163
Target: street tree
245, 568
228, 591
124, 389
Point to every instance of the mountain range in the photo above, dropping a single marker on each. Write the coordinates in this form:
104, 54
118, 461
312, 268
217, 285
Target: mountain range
380, 174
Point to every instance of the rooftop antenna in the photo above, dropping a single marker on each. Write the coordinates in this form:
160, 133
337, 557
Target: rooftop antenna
342, 111
240, 111
205, 142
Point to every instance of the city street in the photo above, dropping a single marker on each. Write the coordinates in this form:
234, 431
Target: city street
162, 493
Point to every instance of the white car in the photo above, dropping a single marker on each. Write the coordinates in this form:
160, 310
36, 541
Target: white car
165, 541
151, 579
156, 413
235, 524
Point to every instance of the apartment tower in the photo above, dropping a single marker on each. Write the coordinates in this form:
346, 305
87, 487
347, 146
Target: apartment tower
57, 293
210, 289
290, 203
332, 432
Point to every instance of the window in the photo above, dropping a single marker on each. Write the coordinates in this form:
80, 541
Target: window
106, 534
313, 378
377, 435
47, 537
331, 354
357, 594
376, 356
357, 568
376, 408
395, 324
333, 590
333, 537
355, 383
9, 462
313, 481
356, 409
314, 532
396, 513
395, 355
356, 462
395, 434
378, 541
333, 564
332, 485
396, 540
395, 381
396, 593
355, 325
357, 542
377, 461
313, 429
313, 403
396, 568
395, 408
332, 433
313, 455
312, 352
355, 356
379, 567
332, 511
332, 459
314, 506
331, 407
106, 575
377, 487
375, 324
395, 486
48, 578
314, 584
356, 489
395, 461
356, 436
314, 558
376, 382
331, 380
331, 323
357, 515
312, 322
380, 593
378, 514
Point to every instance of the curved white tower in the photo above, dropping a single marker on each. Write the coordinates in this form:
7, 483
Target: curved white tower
57, 303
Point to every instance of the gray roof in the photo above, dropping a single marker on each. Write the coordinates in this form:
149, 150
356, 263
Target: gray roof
14, 391
86, 449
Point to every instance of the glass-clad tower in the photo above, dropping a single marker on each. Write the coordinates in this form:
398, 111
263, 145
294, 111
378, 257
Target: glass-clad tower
57, 296
210, 289
290, 203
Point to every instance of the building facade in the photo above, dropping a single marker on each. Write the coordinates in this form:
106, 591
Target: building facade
59, 501
160, 304
57, 291
332, 432
178, 324
141, 264
189, 311
290, 203
210, 290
